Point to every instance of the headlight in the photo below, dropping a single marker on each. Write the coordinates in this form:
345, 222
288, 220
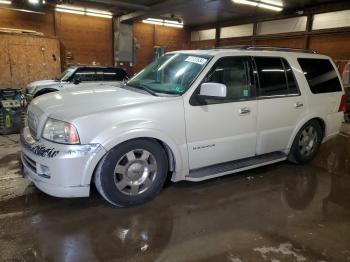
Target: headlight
60, 132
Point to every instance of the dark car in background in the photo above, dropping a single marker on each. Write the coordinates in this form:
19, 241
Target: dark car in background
76, 76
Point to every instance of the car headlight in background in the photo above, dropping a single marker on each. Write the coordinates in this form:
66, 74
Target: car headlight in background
60, 132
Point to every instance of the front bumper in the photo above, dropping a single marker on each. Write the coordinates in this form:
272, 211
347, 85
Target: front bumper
59, 170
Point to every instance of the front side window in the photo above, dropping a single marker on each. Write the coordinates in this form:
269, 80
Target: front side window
320, 74
171, 73
235, 73
67, 74
272, 76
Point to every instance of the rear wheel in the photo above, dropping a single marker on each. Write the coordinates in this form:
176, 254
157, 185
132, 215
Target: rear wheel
306, 143
132, 173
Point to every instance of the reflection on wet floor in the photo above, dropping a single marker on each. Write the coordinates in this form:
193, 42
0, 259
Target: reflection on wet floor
282, 212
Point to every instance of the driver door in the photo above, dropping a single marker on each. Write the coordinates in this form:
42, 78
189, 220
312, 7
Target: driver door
223, 130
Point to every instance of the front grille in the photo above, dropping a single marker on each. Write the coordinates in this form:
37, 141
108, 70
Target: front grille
32, 123
30, 163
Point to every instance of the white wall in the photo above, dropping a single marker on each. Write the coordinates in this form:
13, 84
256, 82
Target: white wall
237, 31
331, 20
289, 25
200, 35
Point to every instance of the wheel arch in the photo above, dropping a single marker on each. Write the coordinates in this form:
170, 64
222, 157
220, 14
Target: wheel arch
305, 120
175, 159
44, 91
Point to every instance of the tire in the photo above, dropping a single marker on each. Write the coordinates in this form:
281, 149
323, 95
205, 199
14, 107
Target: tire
306, 143
132, 173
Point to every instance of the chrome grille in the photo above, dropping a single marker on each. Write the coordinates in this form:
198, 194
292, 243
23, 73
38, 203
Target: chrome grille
32, 123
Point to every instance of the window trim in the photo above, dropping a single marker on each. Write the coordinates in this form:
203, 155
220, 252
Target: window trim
194, 101
283, 60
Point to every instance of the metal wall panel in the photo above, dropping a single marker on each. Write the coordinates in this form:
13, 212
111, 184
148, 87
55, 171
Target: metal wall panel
200, 35
331, 20
236, 31
289, 25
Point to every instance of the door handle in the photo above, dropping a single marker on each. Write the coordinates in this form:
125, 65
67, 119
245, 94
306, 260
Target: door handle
298, 105
244, 111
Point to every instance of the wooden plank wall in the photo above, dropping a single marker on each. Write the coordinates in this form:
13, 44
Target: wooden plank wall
24, 59
88, 39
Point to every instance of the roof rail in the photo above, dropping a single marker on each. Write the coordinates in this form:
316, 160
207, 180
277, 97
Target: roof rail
268, 48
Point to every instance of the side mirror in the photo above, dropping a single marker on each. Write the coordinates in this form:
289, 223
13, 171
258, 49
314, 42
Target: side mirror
76, 81
213, 90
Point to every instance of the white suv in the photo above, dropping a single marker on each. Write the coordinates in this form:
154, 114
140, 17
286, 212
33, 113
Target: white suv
192, 114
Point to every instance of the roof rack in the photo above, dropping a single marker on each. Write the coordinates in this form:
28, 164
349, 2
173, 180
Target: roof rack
268, 48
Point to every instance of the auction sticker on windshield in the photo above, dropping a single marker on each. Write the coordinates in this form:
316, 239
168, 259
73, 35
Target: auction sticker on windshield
197, 60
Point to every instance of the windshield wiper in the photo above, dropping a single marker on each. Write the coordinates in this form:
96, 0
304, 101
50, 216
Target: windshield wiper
145, 88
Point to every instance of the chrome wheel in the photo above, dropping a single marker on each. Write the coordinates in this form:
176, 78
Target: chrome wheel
308, 141
135, 172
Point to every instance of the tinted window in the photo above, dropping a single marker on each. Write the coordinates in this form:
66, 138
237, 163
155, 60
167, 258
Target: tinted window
85, 74
272, 77
320, 74
235, 73
114, 74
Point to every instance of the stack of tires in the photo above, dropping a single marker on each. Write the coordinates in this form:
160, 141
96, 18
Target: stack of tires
12, 111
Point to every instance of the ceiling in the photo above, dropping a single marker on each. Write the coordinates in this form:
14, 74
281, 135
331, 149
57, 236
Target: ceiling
201, 12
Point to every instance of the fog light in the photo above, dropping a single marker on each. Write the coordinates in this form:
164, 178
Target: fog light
43, 171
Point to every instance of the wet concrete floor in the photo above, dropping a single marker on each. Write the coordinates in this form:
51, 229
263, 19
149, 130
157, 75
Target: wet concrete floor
282, 212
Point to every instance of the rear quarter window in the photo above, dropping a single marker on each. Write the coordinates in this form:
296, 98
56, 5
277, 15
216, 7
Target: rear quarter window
321, 75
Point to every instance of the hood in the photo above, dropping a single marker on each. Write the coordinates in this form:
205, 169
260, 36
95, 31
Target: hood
42, 83
68, 105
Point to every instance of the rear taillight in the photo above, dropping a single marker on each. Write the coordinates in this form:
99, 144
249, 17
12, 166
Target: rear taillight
342, 106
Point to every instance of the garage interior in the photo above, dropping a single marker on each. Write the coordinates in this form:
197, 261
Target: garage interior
281, 212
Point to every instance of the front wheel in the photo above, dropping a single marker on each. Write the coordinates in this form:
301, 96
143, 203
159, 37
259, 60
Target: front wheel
306, 143
132, 173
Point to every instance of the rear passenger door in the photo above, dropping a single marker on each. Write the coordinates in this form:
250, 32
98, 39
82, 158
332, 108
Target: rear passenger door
280, 104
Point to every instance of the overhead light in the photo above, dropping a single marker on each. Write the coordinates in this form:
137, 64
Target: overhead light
274, 5
83, 11
33, 2
164, 22
5, 2
271, 7
245, 2
272, 2
98, 13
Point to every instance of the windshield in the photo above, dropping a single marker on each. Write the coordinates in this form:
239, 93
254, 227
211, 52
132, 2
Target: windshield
171, 73
67, 74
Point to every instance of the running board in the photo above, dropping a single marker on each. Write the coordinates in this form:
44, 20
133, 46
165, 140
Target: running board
235, 166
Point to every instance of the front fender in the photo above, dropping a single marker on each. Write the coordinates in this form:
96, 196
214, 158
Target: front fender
123, 132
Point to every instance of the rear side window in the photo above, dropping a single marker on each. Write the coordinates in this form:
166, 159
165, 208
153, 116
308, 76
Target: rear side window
321, 75
85, 74
114, 74
275, 77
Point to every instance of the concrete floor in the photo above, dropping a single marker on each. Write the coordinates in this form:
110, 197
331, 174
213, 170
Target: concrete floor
281, 212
